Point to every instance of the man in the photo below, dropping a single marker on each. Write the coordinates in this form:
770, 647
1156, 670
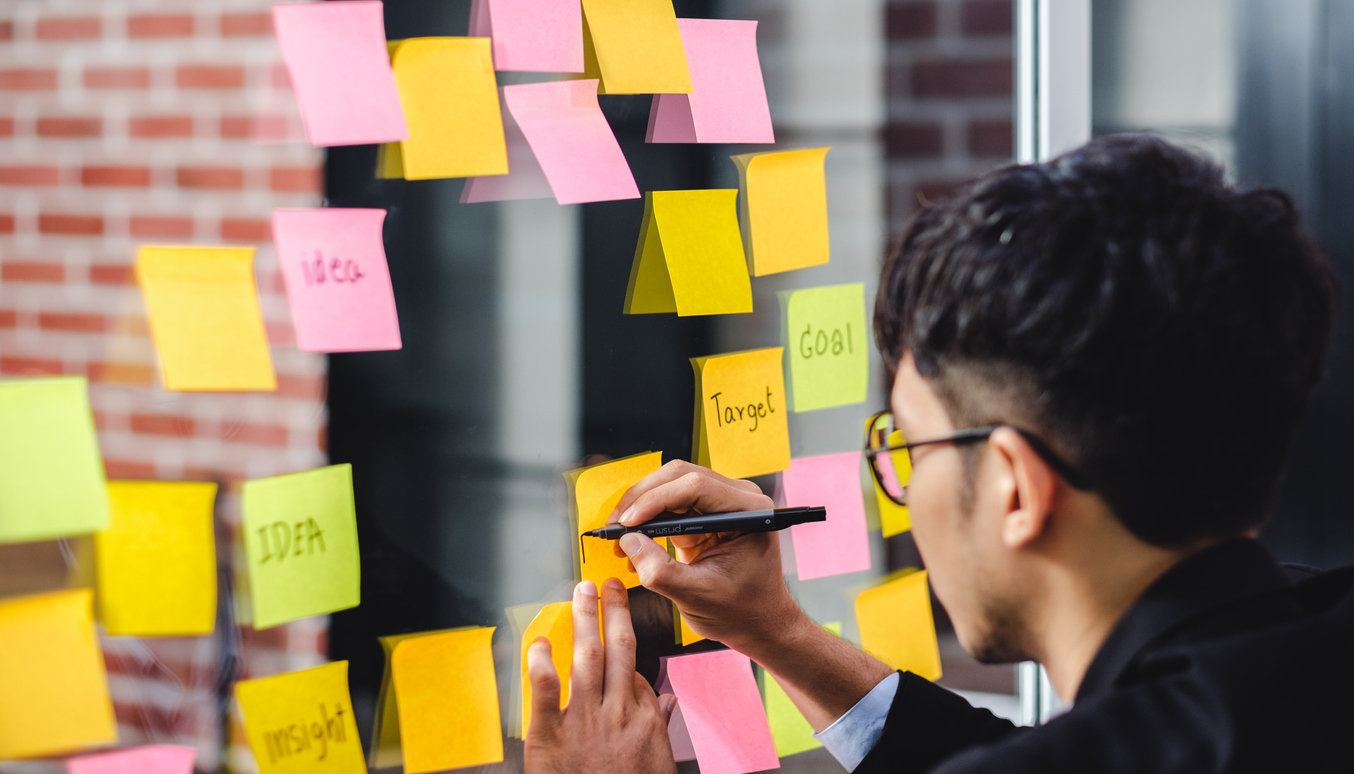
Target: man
1101, 362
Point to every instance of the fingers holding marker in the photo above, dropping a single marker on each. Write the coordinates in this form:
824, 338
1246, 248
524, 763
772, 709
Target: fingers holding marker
657, 570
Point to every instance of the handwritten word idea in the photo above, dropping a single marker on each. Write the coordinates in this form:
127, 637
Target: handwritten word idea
337, 270
281, 539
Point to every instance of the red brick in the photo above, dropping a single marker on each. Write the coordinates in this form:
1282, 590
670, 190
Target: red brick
6, 224
308, 387
6, 30
84, 126
111, 274
73, 225
117, 78
121, 373
910, 20
78, 323
29, 175
129, 177
236, 127
322, 438
32, 271
988, 17
238, 25
6, 127
161, 126
162, 424
296, 179
29, 366
160, 26
991, 138
258, 435
914, 140
159, 226
70, 28
219, 178
9, 319
28, 79
951, 79
210, 77
124, 470
246, 230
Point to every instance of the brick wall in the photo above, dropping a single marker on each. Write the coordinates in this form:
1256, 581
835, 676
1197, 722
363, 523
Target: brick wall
950, 82
153, 121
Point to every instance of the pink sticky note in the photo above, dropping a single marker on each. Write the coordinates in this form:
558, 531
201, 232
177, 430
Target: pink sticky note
722, 711
531, 35
840, 544
338, 284
727, 102
525, 178
571, 140
153, 759
336, 54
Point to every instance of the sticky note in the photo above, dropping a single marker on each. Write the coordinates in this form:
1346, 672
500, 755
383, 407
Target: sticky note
634, 47
783, 209
302, 722
336, 56
51, 472
451, 105
595, 492
555, 622
571, 141
525, 178
727, 102
896, 625
789, 728
53, 689
722, 711
338, 284
386, 750
205, 318
827, 343
300, 533
893, 518
151, 759
532, 35
740, 424
448, 700
689, 259
840, 544
683, 634
156, 562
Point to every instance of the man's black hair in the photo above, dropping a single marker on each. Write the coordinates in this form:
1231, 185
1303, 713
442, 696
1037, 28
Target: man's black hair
1159, 327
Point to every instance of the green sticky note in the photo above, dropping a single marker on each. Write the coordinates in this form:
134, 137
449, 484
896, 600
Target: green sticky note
300, 535
51, 473
789, 730
828, 344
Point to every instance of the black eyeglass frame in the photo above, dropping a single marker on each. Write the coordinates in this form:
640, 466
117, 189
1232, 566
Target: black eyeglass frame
1074, 477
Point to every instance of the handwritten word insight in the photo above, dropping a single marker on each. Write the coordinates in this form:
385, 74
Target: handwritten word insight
299, 738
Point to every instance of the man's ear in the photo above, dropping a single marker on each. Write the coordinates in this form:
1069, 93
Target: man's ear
1031, 504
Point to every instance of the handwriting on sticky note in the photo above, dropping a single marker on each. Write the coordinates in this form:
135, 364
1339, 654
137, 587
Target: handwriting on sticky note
53, 690
205, 318
448, 700
722, 710
727, 102
156, 563
302, 722
555, 622
451, 105
301, 542
634, 47
531, 35
51, 472
782, 207
151, 759
740, 426
595, 492
690, 256
828, 345
336, 56
896, 625
840, 544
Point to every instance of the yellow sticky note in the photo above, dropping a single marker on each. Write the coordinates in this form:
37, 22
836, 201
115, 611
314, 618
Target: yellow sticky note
157, 559
896, 625
827, 343
740, 425
789, 729
205, 318
302, 722
51, 473
783, 209
451, 106
596, 490
634, 47
385, 750
300, 534
685, 635
448, 700
555, 622
389, 162
893, 518
53, 690
690, 256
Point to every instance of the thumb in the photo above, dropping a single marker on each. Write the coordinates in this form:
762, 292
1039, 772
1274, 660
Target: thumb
657, 570
666, 704
545, 712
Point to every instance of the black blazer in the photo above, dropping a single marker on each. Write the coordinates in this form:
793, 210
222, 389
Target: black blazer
1227, 663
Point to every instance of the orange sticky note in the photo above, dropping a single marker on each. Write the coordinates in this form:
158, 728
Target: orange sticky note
740, 424
896, 625
555, 622
596, 492
634, 47
448, 700
53, 689
782, 208
302, 722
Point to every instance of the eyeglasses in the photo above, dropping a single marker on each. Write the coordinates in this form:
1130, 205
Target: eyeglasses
890, 456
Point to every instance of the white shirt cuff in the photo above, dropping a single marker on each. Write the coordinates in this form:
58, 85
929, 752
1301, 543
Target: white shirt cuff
854, 734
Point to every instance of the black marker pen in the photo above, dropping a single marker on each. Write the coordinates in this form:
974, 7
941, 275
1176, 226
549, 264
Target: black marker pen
668, 524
